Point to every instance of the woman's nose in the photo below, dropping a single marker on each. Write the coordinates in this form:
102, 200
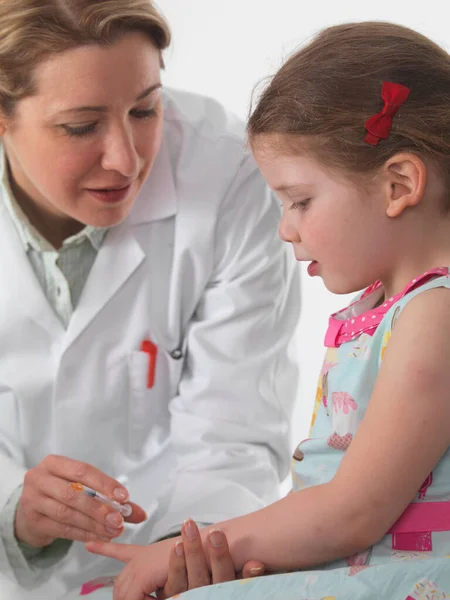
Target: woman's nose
120, 154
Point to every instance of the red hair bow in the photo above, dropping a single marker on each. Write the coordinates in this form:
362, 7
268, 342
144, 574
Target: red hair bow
379, 126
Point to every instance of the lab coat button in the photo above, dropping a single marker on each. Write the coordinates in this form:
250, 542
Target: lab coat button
176, 354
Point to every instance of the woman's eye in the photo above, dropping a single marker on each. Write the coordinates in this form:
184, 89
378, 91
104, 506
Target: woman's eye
79, 131
303, 205
143, 114
82, 130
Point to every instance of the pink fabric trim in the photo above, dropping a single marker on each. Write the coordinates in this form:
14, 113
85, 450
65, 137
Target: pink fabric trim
344, 330
412, 542
88, 588
420, 517
412, 531
333, 331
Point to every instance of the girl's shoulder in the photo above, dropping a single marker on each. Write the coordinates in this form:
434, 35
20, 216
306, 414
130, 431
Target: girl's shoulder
439, 278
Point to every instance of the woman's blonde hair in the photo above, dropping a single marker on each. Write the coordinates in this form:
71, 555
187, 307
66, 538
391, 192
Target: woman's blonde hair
32, 30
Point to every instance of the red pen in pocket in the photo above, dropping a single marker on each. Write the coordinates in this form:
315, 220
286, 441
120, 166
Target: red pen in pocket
151, 349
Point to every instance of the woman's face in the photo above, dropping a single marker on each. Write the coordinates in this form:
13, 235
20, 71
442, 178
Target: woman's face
80, 149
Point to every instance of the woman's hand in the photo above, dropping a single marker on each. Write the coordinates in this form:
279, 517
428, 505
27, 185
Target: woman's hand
173, 566
190, 568
49, 508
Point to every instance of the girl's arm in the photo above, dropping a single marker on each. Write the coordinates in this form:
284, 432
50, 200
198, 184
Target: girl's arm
404, 433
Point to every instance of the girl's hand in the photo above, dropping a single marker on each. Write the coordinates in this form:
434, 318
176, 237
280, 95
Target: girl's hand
173, 566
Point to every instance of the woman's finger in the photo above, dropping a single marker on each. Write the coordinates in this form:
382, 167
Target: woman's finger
48, 527
254, 568
222, 567
74, 470
63, 514
177, 579
138, 515
62, 492
196, 564
45, 486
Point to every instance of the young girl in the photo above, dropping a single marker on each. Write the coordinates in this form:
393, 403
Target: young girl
353, 133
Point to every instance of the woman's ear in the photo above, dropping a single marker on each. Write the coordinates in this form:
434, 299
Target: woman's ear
405, 177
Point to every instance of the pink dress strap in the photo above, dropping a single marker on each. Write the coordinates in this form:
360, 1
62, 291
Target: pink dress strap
343, 329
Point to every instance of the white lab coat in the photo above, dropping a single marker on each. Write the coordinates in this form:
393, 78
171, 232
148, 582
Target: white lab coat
198, 268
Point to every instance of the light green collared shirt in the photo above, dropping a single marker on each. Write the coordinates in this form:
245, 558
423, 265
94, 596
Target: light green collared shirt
62, 275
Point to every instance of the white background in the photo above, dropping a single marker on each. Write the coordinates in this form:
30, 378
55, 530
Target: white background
221, 48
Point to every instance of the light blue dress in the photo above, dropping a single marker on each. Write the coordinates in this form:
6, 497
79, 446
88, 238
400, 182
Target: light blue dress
412, 562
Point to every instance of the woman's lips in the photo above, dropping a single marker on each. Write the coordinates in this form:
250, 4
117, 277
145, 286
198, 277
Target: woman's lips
110, 196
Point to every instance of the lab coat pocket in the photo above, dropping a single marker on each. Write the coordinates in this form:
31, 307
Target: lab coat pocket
150, 398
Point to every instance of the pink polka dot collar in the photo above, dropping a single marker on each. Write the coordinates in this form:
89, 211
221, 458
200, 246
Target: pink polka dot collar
349, 323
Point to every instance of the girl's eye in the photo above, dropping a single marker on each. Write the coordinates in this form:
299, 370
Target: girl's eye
79, 131
303, 205
143, 114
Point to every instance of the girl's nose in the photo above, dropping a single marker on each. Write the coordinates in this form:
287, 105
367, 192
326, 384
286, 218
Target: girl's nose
288, 233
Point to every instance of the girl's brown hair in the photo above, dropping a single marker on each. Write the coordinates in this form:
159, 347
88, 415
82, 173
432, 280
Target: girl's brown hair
327, 90
32, 30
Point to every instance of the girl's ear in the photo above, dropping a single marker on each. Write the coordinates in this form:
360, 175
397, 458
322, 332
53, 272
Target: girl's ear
405, 179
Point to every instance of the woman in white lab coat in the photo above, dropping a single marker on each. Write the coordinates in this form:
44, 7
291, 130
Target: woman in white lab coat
146, 302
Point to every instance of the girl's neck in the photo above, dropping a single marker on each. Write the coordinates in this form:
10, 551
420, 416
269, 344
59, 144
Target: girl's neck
429, 249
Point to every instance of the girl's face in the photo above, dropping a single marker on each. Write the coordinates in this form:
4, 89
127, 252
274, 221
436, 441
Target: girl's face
341, 229
81, 147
